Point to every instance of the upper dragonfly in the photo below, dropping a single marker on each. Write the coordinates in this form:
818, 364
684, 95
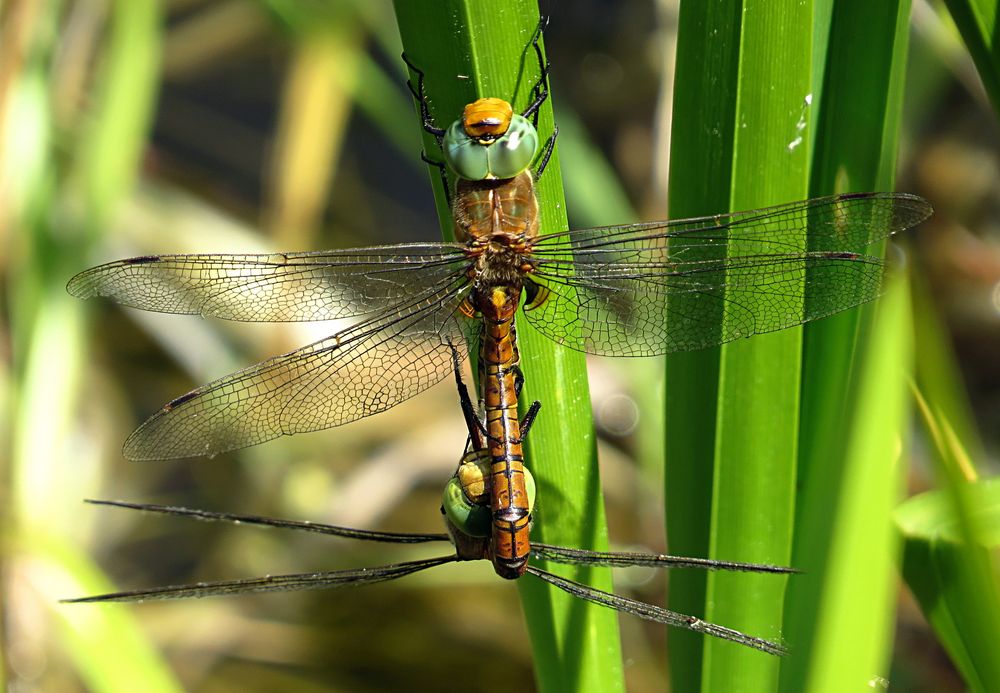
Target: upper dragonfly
627, 290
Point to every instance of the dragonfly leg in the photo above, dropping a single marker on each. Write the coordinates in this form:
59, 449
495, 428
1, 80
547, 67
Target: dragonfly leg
443, 172
529, 418
541, 92
476, 428
518, 380
420, 95
541, 88
546, 153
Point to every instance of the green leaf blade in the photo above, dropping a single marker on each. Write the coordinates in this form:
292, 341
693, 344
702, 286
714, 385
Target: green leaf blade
953, 575
469, 50
849, 478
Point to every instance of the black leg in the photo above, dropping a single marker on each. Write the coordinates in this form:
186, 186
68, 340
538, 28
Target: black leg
421, 96
425, 115
541, 92
518, 380
546, 153
541, 88
472, 422
529, 418
443, 172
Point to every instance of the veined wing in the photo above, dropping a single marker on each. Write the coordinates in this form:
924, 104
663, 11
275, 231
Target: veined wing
279, 287
660, 287
317, 527
850, 221
272, 583
628, 559
656, 614
362, 370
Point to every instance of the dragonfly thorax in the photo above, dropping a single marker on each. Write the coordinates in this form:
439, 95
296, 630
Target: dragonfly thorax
498, 266
497, 209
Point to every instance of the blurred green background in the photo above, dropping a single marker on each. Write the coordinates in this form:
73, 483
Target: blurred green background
134, 127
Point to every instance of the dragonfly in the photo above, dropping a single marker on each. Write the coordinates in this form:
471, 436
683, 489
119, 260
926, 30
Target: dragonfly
468, 518
638, 289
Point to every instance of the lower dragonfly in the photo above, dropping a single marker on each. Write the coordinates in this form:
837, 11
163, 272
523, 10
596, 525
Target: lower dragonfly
468, 519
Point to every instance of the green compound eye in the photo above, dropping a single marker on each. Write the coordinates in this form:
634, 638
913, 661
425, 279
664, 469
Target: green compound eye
505, 157
475, 519
515, 151
470, 518
464, 155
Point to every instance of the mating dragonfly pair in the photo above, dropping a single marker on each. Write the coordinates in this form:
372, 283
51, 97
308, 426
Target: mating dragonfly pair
627, 290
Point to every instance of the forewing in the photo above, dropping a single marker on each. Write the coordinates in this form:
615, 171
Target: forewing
279, 287
360, 371
654, 288
850, 221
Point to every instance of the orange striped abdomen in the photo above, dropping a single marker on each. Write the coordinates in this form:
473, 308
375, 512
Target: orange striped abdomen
509, 495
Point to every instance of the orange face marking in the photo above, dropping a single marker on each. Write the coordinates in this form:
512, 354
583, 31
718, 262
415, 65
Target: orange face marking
487, 118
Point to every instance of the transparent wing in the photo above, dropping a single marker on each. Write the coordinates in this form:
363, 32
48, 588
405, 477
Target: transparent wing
656, 614
835, 223
317, 527
660, 287
279, 287
627, 559
271, 583
360, 371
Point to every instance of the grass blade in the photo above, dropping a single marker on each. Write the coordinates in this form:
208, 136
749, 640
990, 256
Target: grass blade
840, 609
702, 148
757, 424
757, 86
954, 576
977, 23
576, 645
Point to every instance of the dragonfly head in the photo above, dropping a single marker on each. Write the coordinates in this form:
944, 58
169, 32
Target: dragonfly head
490, 142
466, 501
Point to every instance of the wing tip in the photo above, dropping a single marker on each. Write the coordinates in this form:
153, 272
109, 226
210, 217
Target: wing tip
79, 287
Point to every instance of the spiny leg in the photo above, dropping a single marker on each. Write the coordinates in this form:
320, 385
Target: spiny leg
472, 422
420, 94
442, 172
541, 92
541, 88
547, 153
529, 416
